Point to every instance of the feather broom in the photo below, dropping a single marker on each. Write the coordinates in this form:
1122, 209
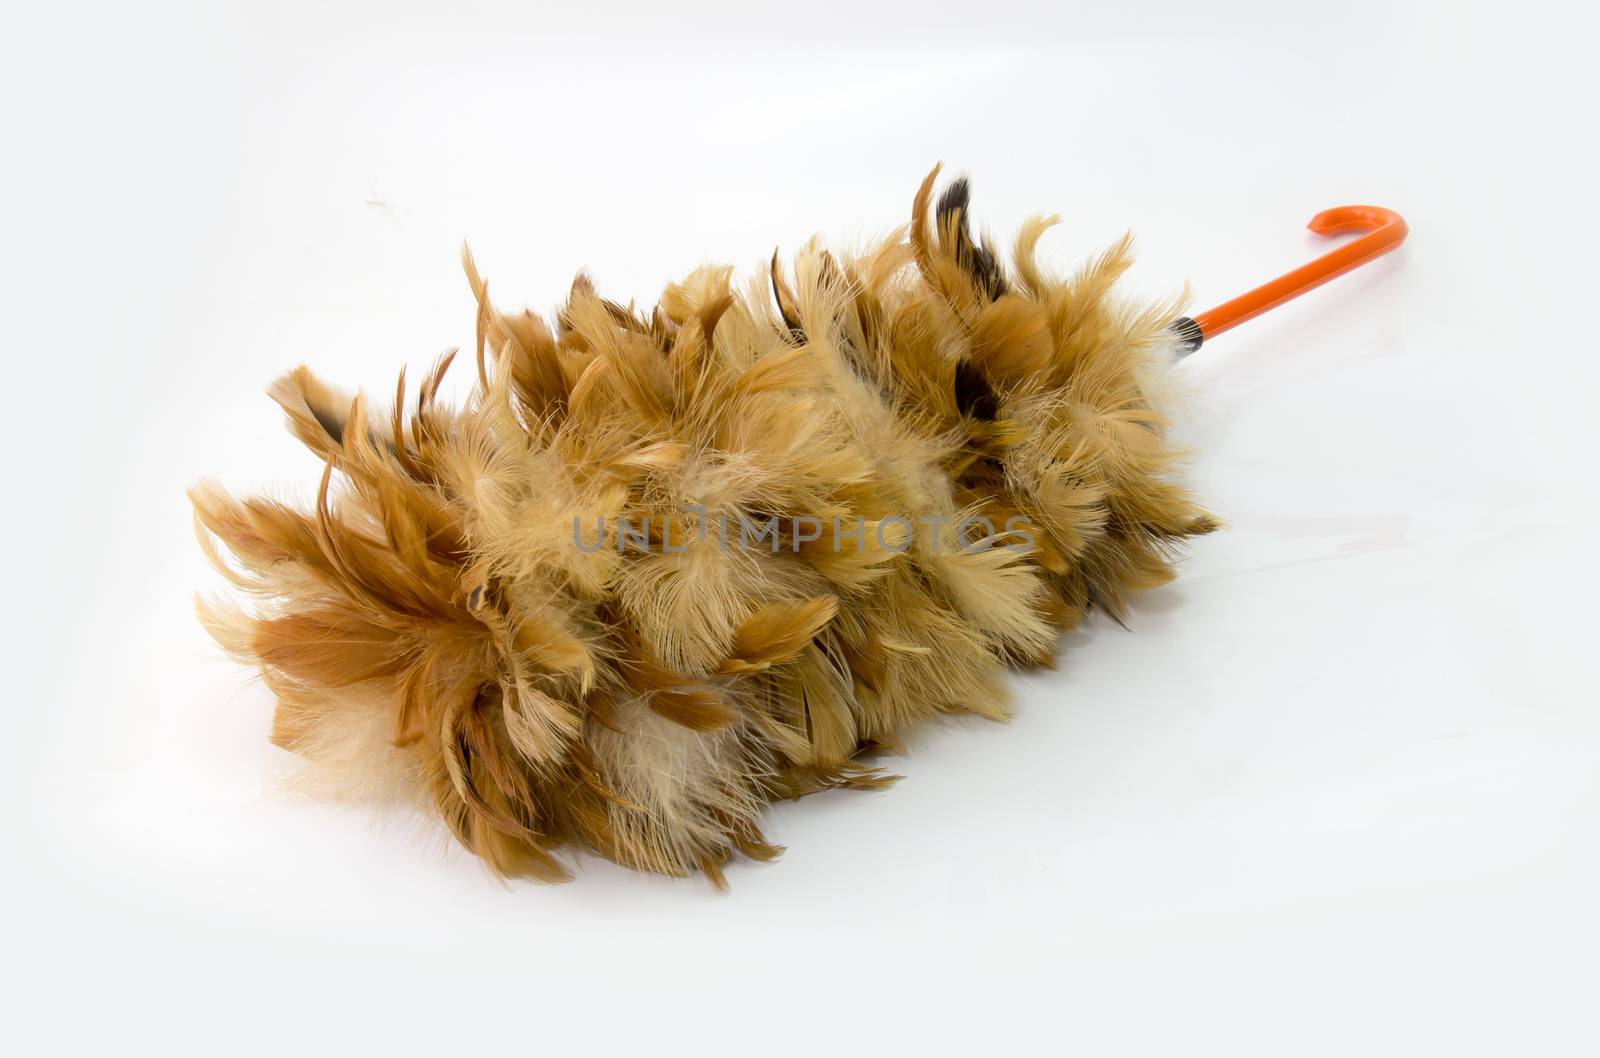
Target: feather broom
660, 569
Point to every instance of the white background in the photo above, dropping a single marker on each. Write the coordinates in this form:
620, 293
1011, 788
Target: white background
1333, 792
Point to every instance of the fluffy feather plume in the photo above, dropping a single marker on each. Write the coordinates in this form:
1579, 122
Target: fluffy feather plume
660, 569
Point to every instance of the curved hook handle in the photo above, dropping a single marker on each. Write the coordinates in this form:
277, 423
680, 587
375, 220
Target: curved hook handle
1385, 230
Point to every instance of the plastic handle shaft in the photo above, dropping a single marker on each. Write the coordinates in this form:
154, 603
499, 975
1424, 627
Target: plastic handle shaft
1385, 229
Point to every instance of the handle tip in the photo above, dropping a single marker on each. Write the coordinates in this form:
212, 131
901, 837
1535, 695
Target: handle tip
1341, 220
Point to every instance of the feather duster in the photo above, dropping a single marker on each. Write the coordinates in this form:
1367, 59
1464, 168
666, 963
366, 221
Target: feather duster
662, 568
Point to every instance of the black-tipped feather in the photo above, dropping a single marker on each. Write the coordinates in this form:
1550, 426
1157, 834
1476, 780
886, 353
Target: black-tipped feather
978, 261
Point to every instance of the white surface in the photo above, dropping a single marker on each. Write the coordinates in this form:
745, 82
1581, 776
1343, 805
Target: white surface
1334, 792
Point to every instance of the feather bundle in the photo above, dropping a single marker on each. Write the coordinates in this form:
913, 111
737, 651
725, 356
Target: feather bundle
660, 569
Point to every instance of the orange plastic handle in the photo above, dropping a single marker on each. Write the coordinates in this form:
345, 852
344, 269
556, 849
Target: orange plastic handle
1385, 230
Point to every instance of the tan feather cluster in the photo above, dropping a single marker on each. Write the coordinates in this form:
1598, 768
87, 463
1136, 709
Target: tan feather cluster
541, 612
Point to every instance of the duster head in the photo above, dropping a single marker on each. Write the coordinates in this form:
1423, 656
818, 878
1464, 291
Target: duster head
660, 568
